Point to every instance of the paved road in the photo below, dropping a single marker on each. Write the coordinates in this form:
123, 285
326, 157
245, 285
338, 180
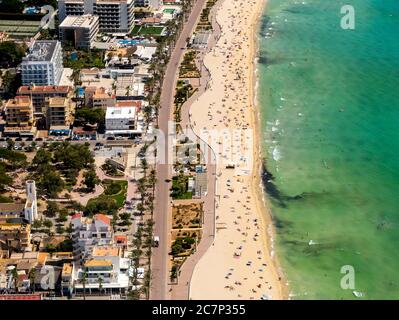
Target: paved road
162, 213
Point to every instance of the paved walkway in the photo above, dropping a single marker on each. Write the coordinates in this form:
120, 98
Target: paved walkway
162, 213
181, 290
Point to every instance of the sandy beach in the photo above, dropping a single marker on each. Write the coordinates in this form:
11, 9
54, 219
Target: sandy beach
240, 264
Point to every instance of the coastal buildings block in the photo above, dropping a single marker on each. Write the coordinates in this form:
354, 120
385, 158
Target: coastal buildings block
87, 233
19, 117
27, 210
19, 111
115, 16
59, 113
148, 3
105, 263
14, 236
122, 121
99, 98
43, 64
38, 94
81, 31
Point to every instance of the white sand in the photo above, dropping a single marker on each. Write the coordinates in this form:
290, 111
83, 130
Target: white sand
242, 218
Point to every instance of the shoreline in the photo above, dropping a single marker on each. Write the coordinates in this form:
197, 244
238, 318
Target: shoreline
253, 183
264, 207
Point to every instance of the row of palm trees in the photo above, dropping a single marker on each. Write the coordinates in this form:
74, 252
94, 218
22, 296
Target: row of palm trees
162, 56
83, 281
142, 242
143, 239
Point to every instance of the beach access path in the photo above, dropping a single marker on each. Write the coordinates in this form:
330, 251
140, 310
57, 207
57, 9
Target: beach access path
162, 212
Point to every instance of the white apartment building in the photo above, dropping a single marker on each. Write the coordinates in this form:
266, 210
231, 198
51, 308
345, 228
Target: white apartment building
105, 263
81, 31
121, 121
115, 16
148, 3
43, 64
87, 233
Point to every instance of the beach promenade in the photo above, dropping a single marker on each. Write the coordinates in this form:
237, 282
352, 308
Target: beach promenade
240, 263
160, 262
181, 290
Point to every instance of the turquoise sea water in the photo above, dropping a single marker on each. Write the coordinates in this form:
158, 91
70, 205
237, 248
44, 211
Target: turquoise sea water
330, 110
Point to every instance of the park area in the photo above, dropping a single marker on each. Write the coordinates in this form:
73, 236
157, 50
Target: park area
111, 200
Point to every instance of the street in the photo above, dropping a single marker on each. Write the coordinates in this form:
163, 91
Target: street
162, 212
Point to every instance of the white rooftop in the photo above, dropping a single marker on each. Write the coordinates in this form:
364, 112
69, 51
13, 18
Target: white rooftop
85, 21
120, 112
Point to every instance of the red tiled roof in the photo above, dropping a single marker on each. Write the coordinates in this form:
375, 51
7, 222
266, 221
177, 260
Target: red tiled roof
76, 216
43, 89
120, 238
33, 296
129, 103
103, 218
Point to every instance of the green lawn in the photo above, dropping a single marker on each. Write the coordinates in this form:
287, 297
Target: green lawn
109, 196
179, 188
141, 30
120, 196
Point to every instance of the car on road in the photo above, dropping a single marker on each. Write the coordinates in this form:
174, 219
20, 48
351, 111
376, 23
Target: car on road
110, 138
155, 241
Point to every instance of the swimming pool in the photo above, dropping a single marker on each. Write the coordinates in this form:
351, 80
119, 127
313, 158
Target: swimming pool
129, 42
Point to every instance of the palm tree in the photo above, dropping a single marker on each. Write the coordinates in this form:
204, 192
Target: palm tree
100, 284
14, 273
32, 274
83, 281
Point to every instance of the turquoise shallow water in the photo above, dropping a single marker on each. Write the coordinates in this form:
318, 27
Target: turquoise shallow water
330, 112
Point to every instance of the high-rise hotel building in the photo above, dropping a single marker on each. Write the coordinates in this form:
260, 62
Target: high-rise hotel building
115, 16
42, 66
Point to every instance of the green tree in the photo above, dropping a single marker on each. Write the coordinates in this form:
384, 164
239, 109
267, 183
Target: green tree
91, 179
42, 157
85, 116
51, 183
52, 209
11, 53
5, 179
177, 248
10, 144
37, 224
32, 275
83, 281
14, 274
63, 215
74, 156
47, 223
